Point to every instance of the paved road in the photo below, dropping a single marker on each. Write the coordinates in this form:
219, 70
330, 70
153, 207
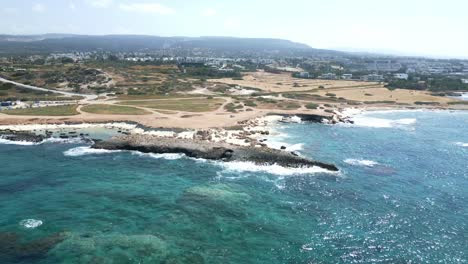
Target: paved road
87, 97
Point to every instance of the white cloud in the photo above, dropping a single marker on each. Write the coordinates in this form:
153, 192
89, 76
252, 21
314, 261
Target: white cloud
153, 8
99, 3
208, 12
72, 5
38, 8
10, 10
232, 23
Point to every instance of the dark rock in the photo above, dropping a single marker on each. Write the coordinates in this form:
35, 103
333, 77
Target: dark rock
208, 150
283, 147
21, 136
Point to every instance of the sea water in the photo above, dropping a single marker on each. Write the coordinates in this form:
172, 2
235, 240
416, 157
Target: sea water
401, 196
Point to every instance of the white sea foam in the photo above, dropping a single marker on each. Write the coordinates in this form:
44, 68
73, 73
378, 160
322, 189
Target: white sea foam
30, 223
361, 162
289, 147
63, 140
20, 143
272, 169
366, 121
166, 156
82, 151
462, 144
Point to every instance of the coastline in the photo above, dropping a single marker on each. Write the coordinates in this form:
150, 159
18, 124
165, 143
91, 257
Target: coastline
249, 137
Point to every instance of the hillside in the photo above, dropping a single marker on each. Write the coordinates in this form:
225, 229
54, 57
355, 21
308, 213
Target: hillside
131, 43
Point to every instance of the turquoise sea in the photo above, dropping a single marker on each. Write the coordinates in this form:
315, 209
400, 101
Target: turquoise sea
401, 197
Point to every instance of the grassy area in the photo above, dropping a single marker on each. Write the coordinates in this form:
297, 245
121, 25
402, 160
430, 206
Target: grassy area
458, 103
103, 109
148, 97
62, 110
10, 92
186, 105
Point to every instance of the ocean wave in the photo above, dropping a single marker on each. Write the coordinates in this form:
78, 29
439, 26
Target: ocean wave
166, 156
63, 140
45, 141
289, 147
30, 223
362, 162
82, 151
462, 144
275, 169
20, 143
365, 121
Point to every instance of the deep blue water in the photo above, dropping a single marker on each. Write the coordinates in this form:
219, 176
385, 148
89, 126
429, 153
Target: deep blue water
401, 197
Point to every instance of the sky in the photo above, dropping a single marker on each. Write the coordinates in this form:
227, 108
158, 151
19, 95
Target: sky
405, 27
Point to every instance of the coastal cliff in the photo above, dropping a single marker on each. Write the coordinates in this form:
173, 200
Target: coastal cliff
209, 150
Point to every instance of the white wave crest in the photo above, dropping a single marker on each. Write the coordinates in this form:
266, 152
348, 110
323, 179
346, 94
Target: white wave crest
63, 140
20, 143
364, 163
30, 223
166, 156
81, 151
365, 121
272, 169
462, 144
289, 147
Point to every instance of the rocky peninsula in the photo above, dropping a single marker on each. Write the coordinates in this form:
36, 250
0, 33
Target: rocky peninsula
209, 150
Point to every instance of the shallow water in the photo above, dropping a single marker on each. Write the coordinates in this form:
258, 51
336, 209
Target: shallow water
401, 196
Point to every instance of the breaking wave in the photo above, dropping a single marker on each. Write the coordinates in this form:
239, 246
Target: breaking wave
20, 143
363, 163
271, 169
30, 223
365, 121
462, 144
45, 141
167, 156
82, 151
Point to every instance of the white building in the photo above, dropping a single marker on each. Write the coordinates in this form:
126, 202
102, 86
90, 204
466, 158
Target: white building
401, 76
465, 81
347, 76
372, 78
304, 75
328, 76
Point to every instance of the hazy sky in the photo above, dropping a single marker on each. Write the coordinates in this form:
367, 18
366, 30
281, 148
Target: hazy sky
416, 27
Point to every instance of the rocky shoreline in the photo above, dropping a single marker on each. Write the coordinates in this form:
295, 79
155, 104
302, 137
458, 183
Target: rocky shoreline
209, 150
21, 136
245, 142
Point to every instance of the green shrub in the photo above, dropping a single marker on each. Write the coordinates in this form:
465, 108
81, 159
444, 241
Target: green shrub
311, 106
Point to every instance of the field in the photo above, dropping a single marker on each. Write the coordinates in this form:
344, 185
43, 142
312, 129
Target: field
284, 82
9, 92
185, 105
63, 110
384, 94
104, 109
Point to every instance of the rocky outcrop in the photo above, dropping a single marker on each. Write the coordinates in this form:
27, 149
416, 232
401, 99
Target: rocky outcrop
306, 117
208, 150
21, 136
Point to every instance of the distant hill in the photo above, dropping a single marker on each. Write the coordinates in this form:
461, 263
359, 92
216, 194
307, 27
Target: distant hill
10, 44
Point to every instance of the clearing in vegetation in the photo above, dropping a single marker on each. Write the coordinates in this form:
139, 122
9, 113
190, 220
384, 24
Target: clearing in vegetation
104, 109
186, 105
62, 110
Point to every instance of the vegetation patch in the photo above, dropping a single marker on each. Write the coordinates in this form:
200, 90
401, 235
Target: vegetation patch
458, 103
380, 102
426, 103
231, 107
104, 109
311, 106
62, 110
186, 105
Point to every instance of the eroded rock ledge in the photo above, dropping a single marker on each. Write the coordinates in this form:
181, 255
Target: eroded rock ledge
208, 150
